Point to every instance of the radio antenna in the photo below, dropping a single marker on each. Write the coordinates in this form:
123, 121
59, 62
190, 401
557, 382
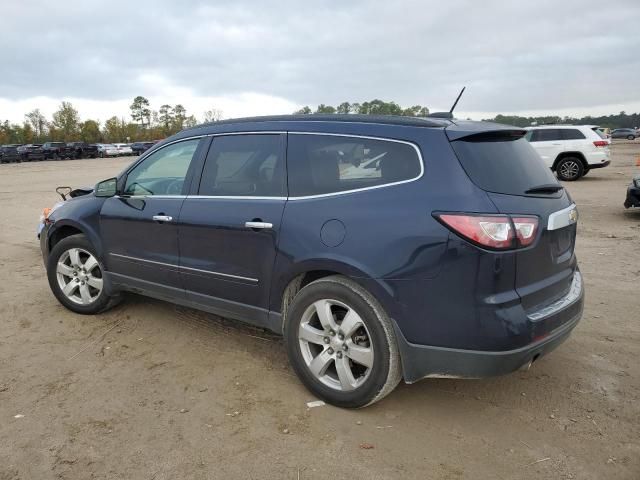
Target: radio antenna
456, 102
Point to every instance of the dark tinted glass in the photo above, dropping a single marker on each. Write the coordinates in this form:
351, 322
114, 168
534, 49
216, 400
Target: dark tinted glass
245, 166
319, 164
572, 134
546, 135
502, 164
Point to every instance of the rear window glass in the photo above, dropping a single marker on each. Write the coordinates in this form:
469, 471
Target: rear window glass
600, 133
502, 163
321, 164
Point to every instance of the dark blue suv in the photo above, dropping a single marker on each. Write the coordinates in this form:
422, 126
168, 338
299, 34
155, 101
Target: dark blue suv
381, 248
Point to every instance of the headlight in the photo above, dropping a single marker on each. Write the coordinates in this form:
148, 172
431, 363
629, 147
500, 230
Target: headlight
46, 213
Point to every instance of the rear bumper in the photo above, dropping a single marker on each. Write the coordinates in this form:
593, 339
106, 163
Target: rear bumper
633, 197
422, 361
599, 165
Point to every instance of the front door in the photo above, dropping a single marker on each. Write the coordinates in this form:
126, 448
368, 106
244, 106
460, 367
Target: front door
139, 226
229, 228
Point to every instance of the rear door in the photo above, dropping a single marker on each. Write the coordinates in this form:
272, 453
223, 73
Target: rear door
139, 227
548, 143
229, 226
507, 168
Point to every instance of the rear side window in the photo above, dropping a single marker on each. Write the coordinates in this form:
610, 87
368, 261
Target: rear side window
323, 164
502, 163
572, 134
244, 165
546, 135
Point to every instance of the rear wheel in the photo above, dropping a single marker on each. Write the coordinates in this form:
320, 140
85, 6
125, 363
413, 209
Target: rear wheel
570, 169
341, 343
76, 276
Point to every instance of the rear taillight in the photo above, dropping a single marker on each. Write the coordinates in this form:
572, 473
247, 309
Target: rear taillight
601, 143
496, 232
526, 229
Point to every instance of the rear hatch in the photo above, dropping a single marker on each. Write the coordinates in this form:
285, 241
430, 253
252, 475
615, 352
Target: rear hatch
503, 164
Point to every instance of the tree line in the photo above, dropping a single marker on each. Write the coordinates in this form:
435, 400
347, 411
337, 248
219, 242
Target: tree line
66, 125
146, 123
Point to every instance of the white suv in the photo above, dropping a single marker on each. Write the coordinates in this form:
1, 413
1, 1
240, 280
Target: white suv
570, 150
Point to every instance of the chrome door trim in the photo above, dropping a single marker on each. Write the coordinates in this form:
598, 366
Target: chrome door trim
180, 267
563, 218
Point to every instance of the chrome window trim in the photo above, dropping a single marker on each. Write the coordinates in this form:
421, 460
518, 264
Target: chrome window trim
227, 275
574, 293
281, 132
563, 218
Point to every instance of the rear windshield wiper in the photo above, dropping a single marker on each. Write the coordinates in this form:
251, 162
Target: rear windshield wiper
546, 188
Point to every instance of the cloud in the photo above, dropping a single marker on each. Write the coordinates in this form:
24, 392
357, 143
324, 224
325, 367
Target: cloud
578, 55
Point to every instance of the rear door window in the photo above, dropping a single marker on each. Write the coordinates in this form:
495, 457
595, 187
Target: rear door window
547, 135
250, 165
572, 134
502, 162
325, 164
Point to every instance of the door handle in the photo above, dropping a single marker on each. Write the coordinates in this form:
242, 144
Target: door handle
258, 225
162, 218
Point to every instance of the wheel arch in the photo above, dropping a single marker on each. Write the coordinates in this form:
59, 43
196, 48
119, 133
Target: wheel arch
285, 288
62, 229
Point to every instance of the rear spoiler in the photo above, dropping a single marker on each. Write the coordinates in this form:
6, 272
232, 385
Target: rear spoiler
483, 131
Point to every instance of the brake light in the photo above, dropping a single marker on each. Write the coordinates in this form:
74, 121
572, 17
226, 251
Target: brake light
601, 143
526, 229
497, 232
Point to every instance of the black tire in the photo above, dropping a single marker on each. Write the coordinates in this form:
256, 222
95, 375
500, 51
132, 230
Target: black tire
570, 169
101, 155
102, 301
385, 372
631, 137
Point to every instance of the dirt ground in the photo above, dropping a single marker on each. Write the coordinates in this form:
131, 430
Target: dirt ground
154, 391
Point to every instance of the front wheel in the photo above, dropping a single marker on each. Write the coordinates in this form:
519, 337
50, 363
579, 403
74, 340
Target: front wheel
76, 276
341, 343
570, 169
631, 137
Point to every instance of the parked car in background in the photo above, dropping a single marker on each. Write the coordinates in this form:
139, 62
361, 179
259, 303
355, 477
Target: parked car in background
570, 150
254, 220
9, 153
107, 150
633, 193
139, 148
31, 152
56, 150
628, 133
123, 148
82, 150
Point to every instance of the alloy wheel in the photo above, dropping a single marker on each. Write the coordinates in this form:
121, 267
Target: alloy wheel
79, 276
336, 345
569, 169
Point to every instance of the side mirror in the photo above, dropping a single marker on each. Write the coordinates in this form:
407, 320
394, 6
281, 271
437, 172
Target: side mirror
107, 188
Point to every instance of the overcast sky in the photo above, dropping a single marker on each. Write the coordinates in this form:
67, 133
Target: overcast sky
249, 57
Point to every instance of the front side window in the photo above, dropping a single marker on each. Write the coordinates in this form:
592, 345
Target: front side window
322, 164
163, 172
249, 165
